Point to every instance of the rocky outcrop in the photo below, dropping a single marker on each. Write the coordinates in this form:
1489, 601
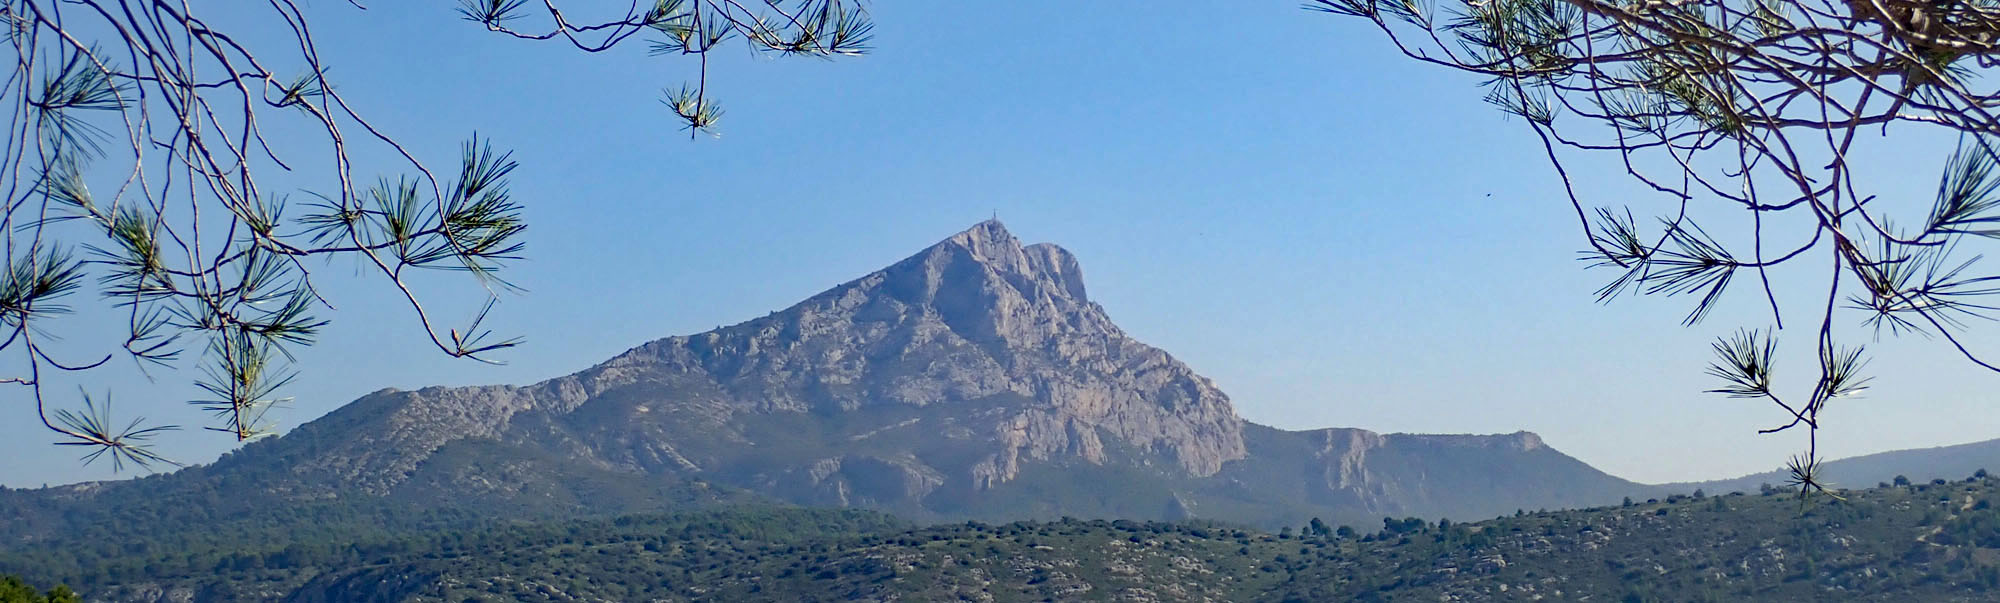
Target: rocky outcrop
374, 443
1357, 475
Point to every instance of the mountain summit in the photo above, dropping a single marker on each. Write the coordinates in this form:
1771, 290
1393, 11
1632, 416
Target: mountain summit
972, 379
951, 368
998, 337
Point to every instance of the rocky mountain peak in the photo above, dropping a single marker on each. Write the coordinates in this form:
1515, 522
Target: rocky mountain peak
976, 335
988, 240
989, 288
1042, 264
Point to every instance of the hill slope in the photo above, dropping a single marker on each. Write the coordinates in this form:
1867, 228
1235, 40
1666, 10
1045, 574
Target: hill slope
1919, 464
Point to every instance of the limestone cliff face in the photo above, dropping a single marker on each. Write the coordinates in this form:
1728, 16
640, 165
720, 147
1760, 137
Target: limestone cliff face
991, 346
1370, 475
976, 317
1345, 453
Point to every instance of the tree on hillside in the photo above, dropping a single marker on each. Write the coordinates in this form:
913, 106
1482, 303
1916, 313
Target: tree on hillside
13, 590
139, 166
1762, 112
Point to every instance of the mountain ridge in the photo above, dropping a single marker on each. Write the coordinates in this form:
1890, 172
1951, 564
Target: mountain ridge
1949, 462
973, 379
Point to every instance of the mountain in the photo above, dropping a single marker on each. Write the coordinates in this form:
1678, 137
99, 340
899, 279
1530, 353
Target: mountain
1920, 464
974, 379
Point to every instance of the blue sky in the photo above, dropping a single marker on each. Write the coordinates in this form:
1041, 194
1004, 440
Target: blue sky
1337, 235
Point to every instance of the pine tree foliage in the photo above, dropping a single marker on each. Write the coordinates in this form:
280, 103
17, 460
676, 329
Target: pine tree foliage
1760, 111
137, 165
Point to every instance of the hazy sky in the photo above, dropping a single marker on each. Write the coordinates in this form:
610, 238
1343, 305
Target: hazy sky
1338, 236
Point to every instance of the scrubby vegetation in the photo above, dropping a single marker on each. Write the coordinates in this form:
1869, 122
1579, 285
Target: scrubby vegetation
13, 590
1923, 541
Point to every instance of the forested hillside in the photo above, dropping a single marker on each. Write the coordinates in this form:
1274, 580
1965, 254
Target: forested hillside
1937, 541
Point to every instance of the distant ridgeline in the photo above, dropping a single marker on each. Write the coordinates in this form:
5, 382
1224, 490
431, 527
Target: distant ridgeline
1923, 542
